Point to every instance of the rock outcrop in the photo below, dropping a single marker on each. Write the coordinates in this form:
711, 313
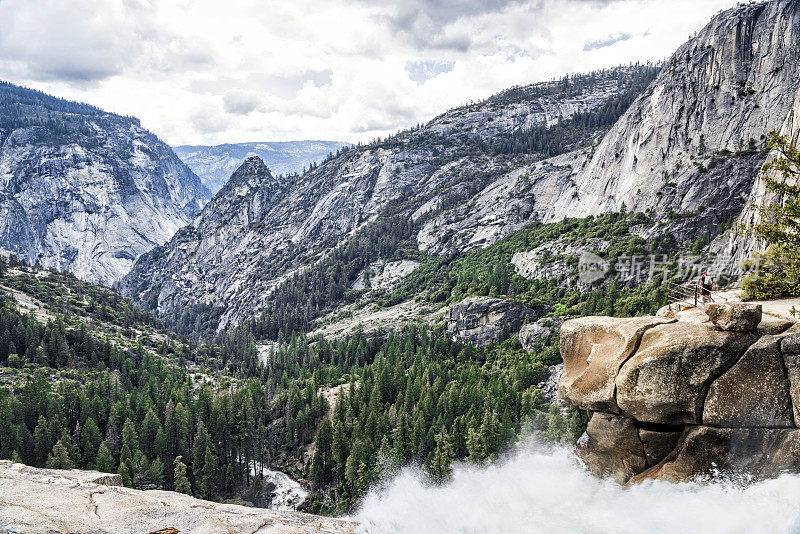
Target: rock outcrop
483, 321
738, 317
84, 190
33, 501
539, 331
683, 399
215, 164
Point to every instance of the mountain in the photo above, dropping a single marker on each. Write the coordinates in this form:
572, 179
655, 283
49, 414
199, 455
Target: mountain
85, 190
693, 144
214, 164
683, 143
259, 229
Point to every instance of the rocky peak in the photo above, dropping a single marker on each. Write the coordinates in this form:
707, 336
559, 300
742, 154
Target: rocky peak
252, 173
282, 227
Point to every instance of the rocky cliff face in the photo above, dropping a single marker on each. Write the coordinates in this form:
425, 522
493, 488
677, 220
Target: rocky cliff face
84, 190
688, 150
679, 399
215, 164
483, 321
419, 173
693, 142
47, 500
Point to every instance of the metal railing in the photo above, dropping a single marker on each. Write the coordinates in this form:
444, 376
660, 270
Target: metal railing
687, 295
682, 295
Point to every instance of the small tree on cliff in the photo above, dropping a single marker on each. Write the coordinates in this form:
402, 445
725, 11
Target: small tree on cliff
778, 273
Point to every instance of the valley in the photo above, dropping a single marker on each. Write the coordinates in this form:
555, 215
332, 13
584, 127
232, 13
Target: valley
457, 327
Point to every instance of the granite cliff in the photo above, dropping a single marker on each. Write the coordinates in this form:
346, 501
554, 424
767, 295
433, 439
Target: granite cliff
84, 190
457, 157
693, 397
684, 145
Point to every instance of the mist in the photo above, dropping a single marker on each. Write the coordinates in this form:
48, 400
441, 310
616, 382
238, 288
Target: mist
540, 489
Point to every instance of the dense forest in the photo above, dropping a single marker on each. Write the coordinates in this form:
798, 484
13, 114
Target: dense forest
91, 381
131, 399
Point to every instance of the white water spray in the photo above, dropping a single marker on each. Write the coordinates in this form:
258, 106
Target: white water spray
546, 490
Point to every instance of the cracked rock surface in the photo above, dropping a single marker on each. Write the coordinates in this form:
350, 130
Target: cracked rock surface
45, 500
683, 400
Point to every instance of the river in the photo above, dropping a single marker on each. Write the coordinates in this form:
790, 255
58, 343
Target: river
288, 493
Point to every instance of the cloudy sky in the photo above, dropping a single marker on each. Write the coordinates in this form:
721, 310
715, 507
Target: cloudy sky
213, 71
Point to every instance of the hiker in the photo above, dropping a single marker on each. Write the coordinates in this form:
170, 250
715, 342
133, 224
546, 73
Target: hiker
706, 285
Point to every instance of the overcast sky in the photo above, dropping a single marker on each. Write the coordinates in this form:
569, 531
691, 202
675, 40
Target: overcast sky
215, 71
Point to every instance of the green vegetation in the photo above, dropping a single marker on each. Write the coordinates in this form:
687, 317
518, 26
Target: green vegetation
574, 132
489, 271
80, 392
77, 392
414, 396
778, 271
90, 381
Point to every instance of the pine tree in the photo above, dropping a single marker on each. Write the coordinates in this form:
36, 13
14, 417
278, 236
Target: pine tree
59, 457
105, 462
181, 481
208, 474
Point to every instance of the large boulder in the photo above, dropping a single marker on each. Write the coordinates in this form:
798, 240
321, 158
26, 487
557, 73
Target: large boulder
753, 392
735, 317
533, 333
705, 451
483, 321
666, 380
593, 350
611, 447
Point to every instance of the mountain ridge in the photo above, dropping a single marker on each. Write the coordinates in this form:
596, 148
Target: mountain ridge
214, 164
86, 190
436, 165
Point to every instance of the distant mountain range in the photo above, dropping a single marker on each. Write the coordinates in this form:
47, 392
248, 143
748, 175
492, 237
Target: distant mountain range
85, 190
215, 164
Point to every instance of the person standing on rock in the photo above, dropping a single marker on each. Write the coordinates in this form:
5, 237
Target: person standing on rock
705, 286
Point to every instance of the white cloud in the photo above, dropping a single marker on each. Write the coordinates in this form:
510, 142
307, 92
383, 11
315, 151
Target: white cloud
203, 71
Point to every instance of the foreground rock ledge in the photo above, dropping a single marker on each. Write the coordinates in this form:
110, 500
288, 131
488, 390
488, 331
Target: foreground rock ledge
43, 500
688, 399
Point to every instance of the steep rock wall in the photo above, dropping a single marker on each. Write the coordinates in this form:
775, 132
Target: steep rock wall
679, 400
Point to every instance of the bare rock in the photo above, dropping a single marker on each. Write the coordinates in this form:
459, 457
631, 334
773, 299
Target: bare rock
705, 451
735, 317
44, 500
666, 380
483, 321
752, 393
790, 349
658, 443
611, 447
791, 344
530, 334
594, 349
771, 325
